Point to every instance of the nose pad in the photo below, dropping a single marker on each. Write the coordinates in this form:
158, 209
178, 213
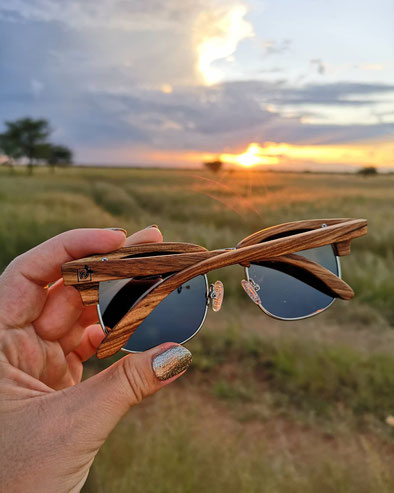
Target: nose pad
216, 294
251, 288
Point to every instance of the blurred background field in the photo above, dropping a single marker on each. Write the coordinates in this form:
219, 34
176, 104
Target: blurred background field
267, 406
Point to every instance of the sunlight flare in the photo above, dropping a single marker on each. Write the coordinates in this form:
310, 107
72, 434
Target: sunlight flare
271, 153
251, 157
221, 40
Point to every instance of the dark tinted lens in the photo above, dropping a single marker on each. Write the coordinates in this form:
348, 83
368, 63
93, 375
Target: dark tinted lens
175, 319
290, 293
117, 297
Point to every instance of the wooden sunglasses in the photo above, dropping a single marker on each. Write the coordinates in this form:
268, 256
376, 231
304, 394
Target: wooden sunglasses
185, 261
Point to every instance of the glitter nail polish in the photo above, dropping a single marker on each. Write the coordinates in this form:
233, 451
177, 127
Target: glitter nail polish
171, 362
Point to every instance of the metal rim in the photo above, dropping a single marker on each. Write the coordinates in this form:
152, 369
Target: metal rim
143, 296
305, 316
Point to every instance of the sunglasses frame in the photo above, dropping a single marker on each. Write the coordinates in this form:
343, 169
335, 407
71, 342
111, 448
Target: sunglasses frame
186, 261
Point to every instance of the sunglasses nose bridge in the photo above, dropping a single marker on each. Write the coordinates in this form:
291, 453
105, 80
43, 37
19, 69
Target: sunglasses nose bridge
216, 294
251, 287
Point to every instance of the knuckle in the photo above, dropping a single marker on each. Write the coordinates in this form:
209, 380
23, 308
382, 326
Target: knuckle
137, 381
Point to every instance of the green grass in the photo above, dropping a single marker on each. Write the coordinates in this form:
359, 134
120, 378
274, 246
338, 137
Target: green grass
267, 406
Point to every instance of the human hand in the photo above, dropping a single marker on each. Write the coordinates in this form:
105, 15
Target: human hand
52, 424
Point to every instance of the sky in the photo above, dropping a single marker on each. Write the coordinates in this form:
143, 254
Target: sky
306, 83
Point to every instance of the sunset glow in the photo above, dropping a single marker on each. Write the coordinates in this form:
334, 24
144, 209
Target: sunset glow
271, 153
252, 156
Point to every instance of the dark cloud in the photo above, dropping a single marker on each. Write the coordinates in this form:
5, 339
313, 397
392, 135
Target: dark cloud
214, 118
338, 93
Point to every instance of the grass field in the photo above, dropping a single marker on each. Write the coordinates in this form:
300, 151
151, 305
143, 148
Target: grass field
267, 406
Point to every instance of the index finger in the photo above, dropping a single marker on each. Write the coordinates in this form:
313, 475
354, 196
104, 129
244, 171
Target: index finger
42, 264
21, 285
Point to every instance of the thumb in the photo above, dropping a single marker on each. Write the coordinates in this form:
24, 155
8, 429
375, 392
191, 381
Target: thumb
99, 402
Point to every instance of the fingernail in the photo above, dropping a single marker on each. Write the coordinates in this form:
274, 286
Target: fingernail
171, 362
118, 229
152, 226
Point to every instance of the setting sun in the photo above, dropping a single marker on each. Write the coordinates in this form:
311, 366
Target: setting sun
248, 159
251, 157
272, 153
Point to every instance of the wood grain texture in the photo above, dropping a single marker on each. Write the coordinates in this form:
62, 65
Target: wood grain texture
117, 265
172, 247
123, 268
89, 293
342, 248
337, 231
94, 269
287, 228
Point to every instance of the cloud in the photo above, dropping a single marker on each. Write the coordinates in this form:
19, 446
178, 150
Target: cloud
156, 43
150, 15
231, 115
336, 93
375, 67
219, 32
36, 87
272, 47
320, 67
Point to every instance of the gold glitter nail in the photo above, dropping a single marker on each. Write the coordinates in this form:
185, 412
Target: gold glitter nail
171, 362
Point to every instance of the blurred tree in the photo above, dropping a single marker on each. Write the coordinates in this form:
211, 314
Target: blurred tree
61, 155
56, 155
214, 166
368, 171
10, 147
27, 138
